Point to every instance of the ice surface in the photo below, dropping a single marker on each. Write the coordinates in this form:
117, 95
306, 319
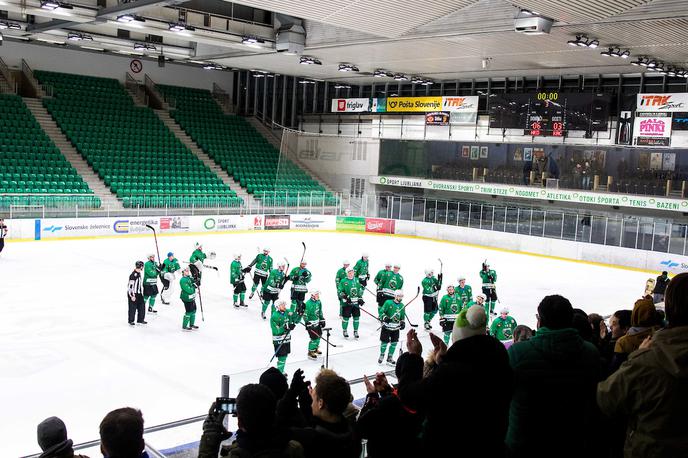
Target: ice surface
66, 348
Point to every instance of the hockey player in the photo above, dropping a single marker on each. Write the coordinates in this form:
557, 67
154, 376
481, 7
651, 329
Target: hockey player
361, 270
150, 282
450, 306
394, 282
350, 292
188, 297
263, 263
315, 322
479, 300
339, 276
272, 287
299, 277
3, 233
489, 278
236, 276
137, 308
282, 323
170, 267
196, 263
503, 326
380, 281
431, 285
393, 319
464, 292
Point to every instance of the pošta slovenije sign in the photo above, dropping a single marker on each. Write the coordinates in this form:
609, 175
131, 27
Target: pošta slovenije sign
524, 192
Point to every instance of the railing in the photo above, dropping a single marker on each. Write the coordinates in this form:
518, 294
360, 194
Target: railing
136, 89
629, 231
158, 101
35, 85
223, 98
7, 74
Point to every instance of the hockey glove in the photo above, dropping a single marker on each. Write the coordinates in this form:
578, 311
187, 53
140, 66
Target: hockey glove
402, 325
301, 308
246, 269
386, 319
439, 278
442, 321
367, 277
361, 302
292, 326
322, 323
348, 301
304, 274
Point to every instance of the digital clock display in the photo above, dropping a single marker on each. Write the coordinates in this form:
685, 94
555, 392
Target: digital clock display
550, 113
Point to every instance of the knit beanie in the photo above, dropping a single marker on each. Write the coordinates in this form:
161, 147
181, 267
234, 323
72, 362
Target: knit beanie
275, 381
52, 436
470, 322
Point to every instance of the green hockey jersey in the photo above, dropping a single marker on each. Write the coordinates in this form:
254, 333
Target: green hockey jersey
361, 269
393, 283
197, 255
341, 274
465, 294
503, 329
235, 273
350, 289
381, 278
450, 306
275, 282
188, 293
395, 312
313, 313
431, 286
489, 278
170, 266
263, 263
300, 278
150, 273
279, 324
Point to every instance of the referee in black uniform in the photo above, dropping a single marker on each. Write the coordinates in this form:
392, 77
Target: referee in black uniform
3, 234
135, 295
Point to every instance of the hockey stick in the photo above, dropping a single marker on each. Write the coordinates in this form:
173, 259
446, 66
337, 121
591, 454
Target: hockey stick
200, 303
204, 265
304, 251
156, 241
404, 308
279, 347
313, 333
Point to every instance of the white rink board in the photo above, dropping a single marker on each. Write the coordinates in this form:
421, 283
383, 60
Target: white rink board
66, 349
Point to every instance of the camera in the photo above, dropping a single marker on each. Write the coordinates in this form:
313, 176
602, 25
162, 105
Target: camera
226, 405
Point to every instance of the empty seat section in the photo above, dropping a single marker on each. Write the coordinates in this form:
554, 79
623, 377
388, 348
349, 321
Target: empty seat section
242, 151
31, 166
129, 147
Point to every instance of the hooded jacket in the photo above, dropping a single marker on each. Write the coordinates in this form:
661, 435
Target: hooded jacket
651, 390
643, 321
553, 407
333, 440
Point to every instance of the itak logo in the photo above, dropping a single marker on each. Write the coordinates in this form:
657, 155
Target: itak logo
52, 229
660, 102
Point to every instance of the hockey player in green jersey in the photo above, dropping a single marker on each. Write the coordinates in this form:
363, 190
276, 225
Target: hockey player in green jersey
315, 322
272, 287
489, 278
170, 267
151, 270
450, 306
196, 263
393, 319
236, 277
394, 282
380, 281
503, 326
188, 297
431, 286
339, 276
282, 323
351, 294
361, 270
479, 300
263, 263
300, 277
464, 292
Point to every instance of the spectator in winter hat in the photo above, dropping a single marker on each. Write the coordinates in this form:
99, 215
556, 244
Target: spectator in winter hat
643, 324
52, 438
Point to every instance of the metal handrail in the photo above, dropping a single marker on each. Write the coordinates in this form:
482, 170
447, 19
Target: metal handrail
152, 90
134, 86
222, 97
7, 74
28, 73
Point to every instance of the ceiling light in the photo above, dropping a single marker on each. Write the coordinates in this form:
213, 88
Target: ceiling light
652, 64
144, 47
306, 82
380, 73
400, 77
212, 66
593, 44
348, 68
608, 53
50, 5
176, 27
75, 36
625, 54
125, 18
256, 75
342, 86
417, 80
9, 25
427, 83
306, 60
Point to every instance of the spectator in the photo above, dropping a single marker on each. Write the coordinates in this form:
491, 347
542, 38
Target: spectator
581, 323
552, 167
556, 372
52, 438
328, 432
660, 286
522, 333
619, 324
586, 174
256, 435
467, 394
121, 434
595, 319
650, 389
643, 324
391, 419
275, 381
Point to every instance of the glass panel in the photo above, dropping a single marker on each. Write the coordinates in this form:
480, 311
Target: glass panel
499, 219
406, 208
630, 233
430, 211
583, 233
441, 212
511, 220
553, 224
597, 228
661, 238
570, 226
385, 203
645, 236
475, 216
464, 209
524, 217
538, 224
418, 205
452, 213
487, 215
613, 232
396, 207
678, 239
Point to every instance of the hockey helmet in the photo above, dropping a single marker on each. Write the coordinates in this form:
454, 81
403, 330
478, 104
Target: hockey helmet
139, 264
462, 278
315, 292
170, 255
429, 272
398, 293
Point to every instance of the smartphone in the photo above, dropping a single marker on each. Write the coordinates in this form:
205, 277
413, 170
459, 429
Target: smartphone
226, 405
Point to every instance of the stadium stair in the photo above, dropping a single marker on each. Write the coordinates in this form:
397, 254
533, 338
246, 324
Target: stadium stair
50, 127
277, 143
188, 141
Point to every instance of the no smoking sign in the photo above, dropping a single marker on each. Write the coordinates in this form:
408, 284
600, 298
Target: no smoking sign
136, 66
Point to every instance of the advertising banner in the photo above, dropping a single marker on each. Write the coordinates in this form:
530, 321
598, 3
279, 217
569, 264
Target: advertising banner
219, 223
379, 225
174, 223
411, 104
667, 103
437, 118
463, 110
91, 227
350, 105
351, 223
652, 129
313, 222
525, 192
679, 121
379, 105
277, 222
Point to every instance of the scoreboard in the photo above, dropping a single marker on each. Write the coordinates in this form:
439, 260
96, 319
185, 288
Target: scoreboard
550, 113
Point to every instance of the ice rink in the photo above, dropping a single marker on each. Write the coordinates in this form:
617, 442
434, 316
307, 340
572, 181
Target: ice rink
66, 348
